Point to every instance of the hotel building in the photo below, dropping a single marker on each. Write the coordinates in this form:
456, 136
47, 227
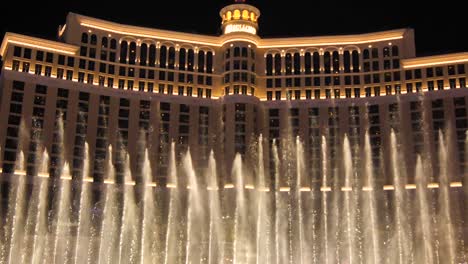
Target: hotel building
129, 86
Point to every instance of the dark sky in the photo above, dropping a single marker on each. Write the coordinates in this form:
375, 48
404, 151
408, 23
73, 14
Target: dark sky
439, 28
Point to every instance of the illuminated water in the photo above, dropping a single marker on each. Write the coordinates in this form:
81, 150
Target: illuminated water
268, 214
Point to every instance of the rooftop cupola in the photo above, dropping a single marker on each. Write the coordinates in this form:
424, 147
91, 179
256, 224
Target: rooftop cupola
239, 17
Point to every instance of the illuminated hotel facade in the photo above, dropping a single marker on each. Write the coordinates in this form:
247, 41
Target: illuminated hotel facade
121, 85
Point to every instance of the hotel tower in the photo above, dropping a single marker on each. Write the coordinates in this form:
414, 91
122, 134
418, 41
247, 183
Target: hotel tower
102, 83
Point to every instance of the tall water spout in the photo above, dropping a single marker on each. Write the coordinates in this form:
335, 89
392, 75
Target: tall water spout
216, 234
372, 232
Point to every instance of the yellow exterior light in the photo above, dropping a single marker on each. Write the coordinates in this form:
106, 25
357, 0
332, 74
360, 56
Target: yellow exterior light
245, 15
237, 14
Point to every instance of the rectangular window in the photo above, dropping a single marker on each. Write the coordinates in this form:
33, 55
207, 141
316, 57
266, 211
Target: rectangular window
462, 82
440, 84
278, 95
199, 92
357, 92
15, 65
269, 83
48, 71
60, 73
27, 53
39, 55
49, 57
25, 66
269, 95
110, 82
317, 94
38, 69
69, 75
17, 51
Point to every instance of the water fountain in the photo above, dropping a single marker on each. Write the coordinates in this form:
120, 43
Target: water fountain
346, 216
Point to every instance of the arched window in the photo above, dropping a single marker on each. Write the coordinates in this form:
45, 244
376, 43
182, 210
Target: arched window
245, 14
201, 61
347, 61
93, 39
182, 60
113, 44
316, 62
327, 62
395, 51
132, 53
236, 52
308, 63
269, 65
288, 63
336, 62
123, 51
152, 55
365, 54
386, 52
229, 15
209, 62
84, 37
277, 64
143, 54
162, 57
297, 63
356, 63
104, 42
237, 14
171, 61
190, 59
244, 52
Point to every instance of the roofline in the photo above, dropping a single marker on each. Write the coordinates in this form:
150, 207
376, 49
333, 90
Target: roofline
34, 42
218, 41
460, 57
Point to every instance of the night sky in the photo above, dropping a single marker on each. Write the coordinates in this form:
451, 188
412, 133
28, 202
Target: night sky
440, 28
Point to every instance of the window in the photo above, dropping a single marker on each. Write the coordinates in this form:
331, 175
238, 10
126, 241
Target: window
327, 62
278, 95
236, 52
132, 53
386, 52
317, 94
69, 75
356, 63
15, 65
365, 54
244, 52
375, 53
84, 37
123, 52
143, 54
93, 39
297, 63
395, 51
17, 51
277, 64
451, 70
336, 62
357, 92
316, 62
429, 72
347, 61
171, 58
152, 55
209, 62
